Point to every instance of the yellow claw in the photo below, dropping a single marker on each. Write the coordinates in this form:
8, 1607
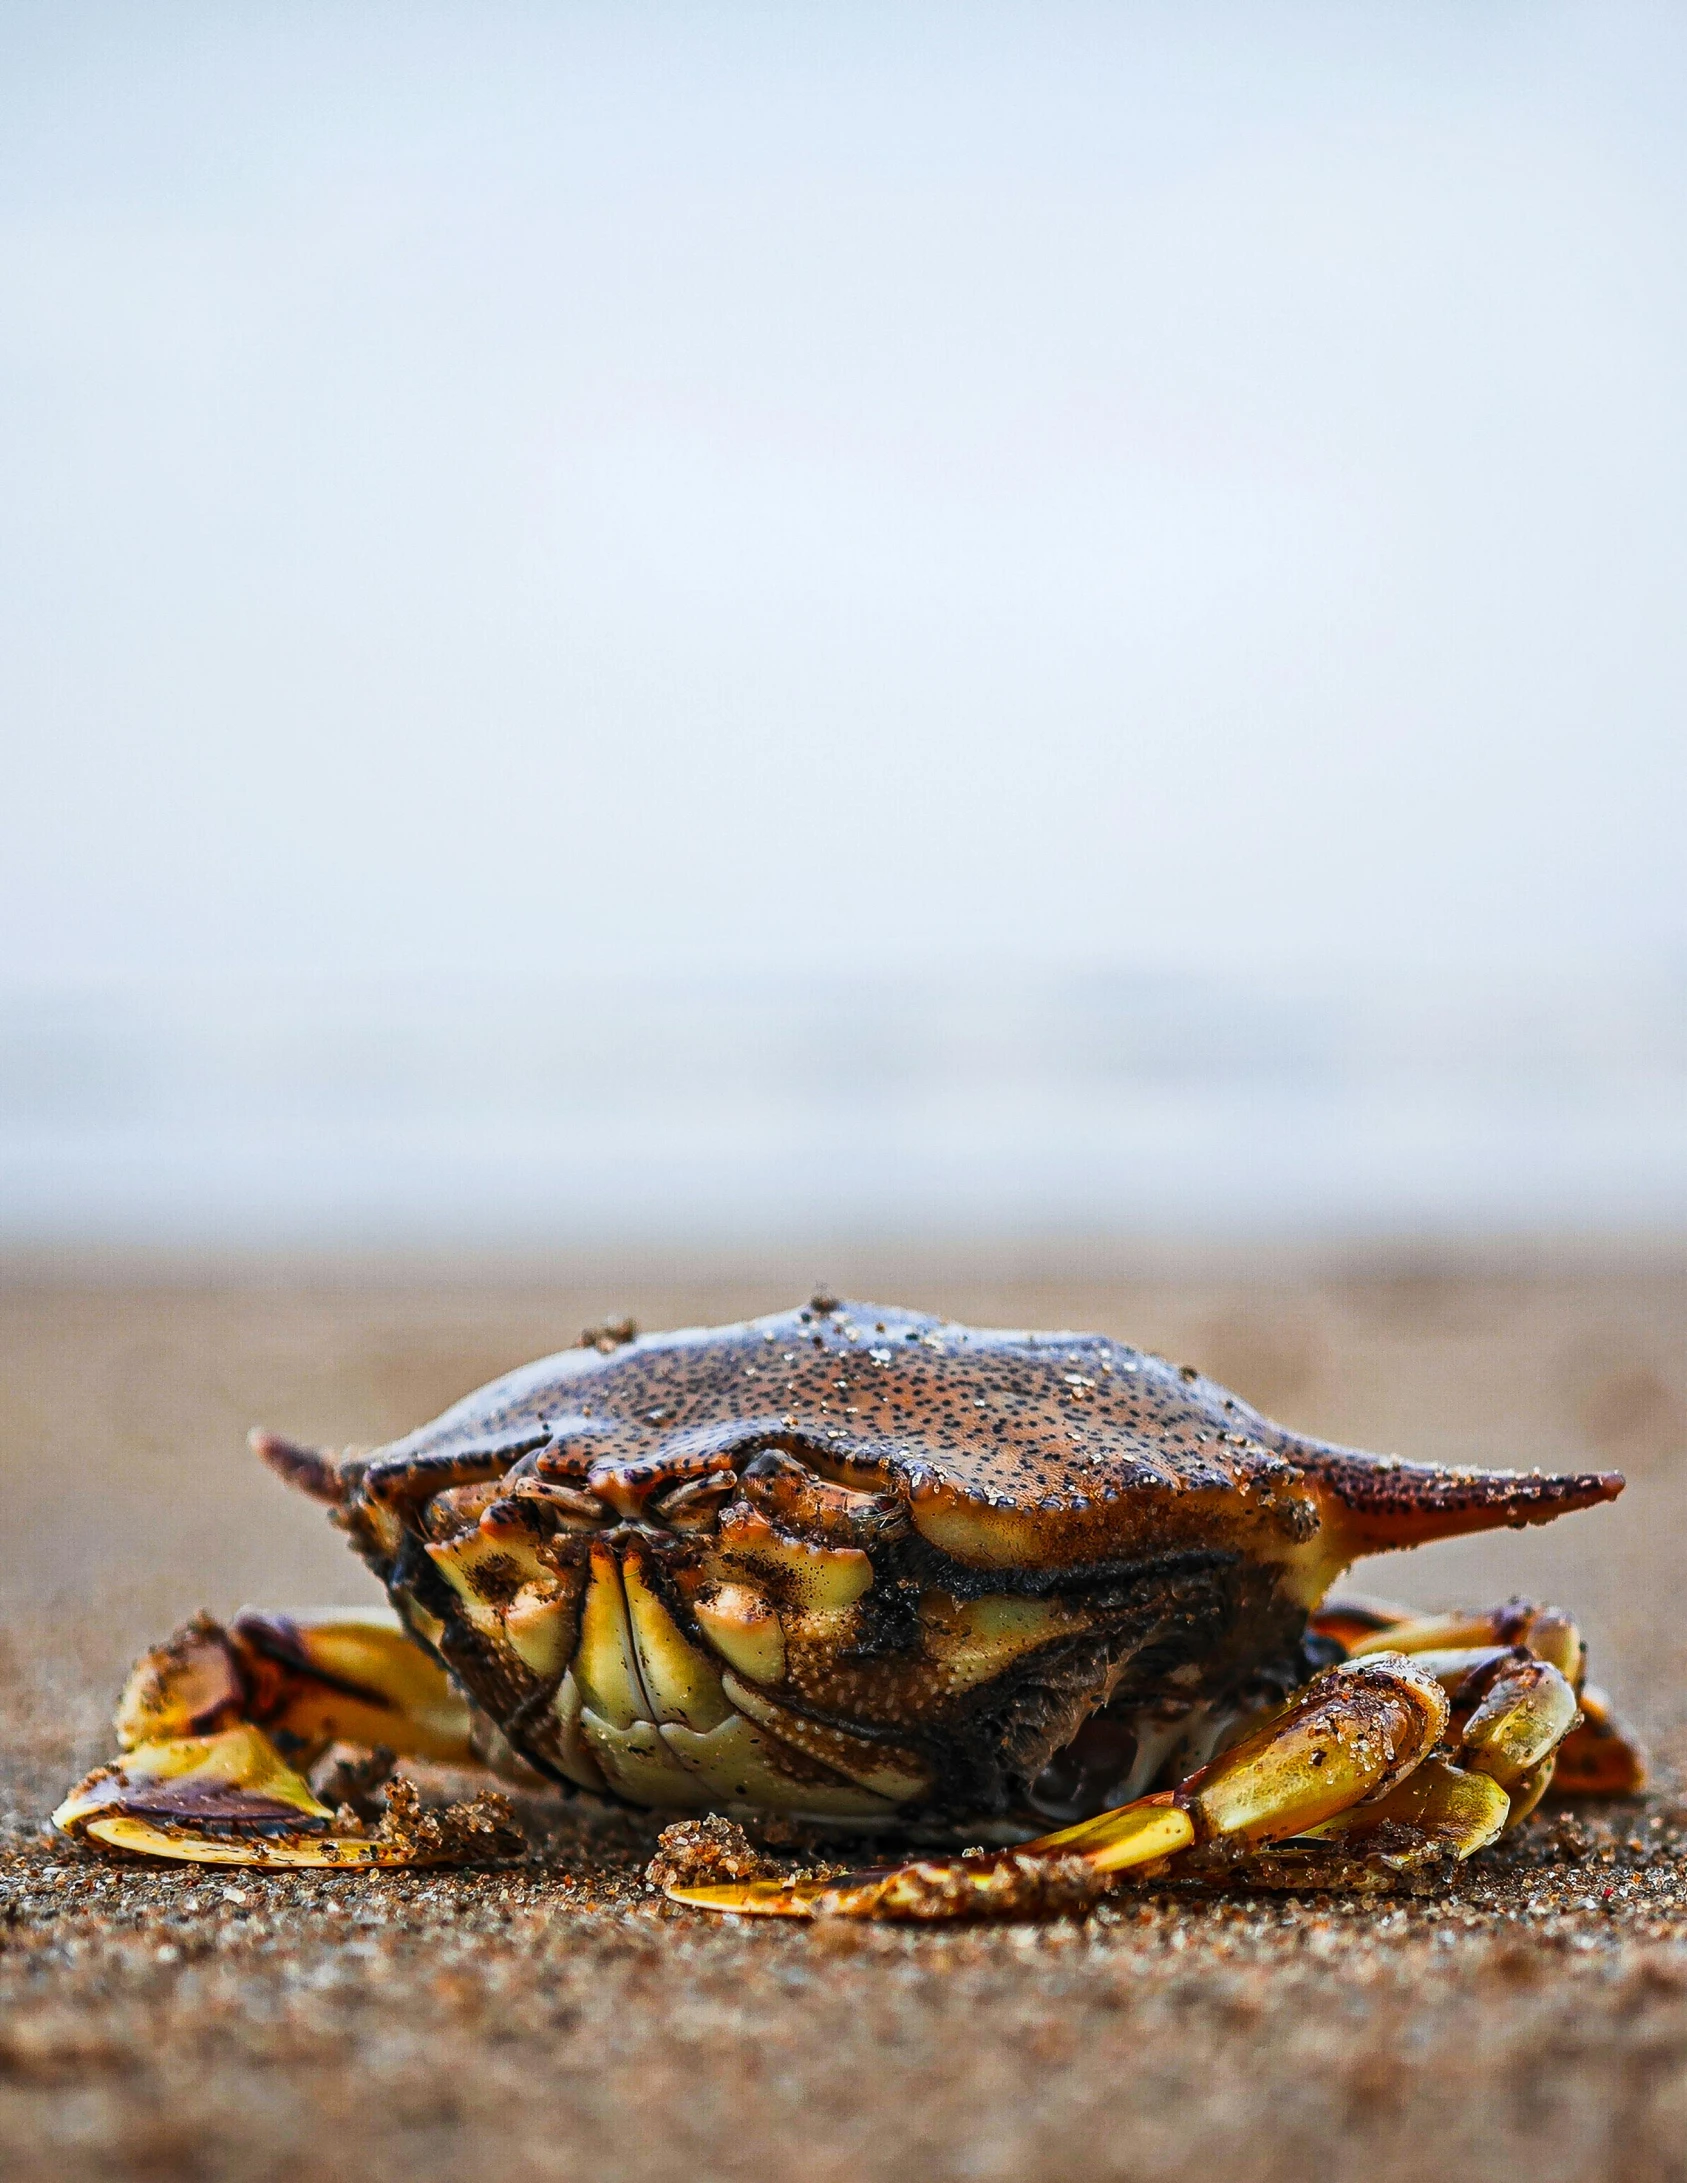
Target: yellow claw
158, 1799
346, 1677
236, 1777
336, 1852
231, 1799
1354, 1732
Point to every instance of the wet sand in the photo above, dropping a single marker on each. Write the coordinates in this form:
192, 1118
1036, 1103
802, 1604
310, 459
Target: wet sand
557, 2020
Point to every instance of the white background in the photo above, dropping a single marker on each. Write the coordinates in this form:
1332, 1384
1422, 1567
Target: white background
781, 514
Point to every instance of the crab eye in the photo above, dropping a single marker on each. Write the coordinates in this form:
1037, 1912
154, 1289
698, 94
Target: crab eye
694, 1505
572, 1508
785, 1487
774, 1464
459, 1508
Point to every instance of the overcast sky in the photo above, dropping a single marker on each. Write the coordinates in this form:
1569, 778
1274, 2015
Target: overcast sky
485, 487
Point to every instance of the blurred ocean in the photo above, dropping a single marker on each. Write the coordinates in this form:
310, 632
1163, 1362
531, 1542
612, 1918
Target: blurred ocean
604, 1108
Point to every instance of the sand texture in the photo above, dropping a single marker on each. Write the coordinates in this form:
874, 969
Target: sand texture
556, 2019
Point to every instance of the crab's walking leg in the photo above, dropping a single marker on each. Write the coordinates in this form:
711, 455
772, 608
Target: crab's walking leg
1355, 1731
1519, 1722
1509, 1713
218, 1727
1601, 1755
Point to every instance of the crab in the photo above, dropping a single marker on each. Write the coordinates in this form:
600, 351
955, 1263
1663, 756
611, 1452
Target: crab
864, 1569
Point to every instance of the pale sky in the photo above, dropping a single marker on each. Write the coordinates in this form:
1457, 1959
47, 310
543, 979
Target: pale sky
485, 487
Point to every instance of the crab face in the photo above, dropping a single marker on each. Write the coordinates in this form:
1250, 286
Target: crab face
854, 1563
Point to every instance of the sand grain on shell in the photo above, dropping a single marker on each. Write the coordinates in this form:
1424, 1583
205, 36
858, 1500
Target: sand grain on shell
556, 2019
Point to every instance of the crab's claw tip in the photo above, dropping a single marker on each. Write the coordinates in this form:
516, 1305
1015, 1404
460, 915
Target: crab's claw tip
1378, 1502
312, 1470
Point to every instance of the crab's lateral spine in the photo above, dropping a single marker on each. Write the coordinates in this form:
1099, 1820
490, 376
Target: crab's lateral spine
1378, 1502
312, 1470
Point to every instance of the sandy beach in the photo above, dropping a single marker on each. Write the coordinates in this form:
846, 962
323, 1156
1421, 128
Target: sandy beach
558, 2020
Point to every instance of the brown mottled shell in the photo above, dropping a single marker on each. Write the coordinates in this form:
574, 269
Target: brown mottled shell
1037, 1451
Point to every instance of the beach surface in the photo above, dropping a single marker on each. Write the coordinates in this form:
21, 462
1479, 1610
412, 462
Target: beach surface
557, 2019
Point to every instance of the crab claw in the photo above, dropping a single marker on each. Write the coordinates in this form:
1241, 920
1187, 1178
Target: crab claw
227, 1798
342, 1677
231, 1799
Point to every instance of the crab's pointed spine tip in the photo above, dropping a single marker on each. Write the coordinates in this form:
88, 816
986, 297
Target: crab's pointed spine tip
1379, 1502
312, 1470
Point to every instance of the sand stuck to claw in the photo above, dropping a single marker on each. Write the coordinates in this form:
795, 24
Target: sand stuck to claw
481, 1831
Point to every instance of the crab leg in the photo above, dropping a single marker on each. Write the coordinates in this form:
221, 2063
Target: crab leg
1513, 1718
1509, 1714
218, 1727
1600, 1756
1546, 1632
1355, 1731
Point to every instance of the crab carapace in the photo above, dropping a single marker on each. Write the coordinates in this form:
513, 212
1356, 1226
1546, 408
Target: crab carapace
1039, 1591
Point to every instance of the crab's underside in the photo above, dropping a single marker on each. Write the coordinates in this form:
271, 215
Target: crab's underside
880, 1572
